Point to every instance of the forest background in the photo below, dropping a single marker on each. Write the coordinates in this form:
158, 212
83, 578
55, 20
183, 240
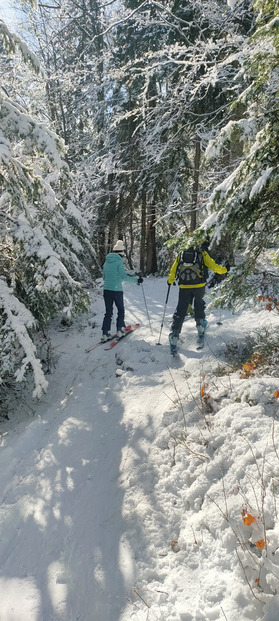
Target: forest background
153, 122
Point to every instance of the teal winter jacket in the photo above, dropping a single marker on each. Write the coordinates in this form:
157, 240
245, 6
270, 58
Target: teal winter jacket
114, 273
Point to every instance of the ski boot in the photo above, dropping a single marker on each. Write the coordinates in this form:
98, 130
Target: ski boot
201, 326
105, 337
120, 333
173, 344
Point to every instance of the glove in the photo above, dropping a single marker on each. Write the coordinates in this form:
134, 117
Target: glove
140, 280
227, 265
169, 283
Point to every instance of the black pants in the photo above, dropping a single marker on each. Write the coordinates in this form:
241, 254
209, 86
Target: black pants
115, 297
186, 297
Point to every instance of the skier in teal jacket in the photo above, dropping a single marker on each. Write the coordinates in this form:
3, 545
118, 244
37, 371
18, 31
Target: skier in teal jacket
113, 275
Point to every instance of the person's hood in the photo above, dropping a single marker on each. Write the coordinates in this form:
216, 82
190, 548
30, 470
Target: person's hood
112, 257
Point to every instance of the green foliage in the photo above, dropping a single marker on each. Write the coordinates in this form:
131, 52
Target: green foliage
195, 240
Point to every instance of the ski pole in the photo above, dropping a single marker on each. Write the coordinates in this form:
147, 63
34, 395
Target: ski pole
219, 323
146, 309
164, 314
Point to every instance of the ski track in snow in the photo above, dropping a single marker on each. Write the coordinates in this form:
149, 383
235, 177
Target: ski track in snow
105, 512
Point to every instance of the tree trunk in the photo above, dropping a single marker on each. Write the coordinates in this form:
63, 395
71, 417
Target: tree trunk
102, 250
193, 224
119, 216
151, 259
143, 233
111, 240
130, 251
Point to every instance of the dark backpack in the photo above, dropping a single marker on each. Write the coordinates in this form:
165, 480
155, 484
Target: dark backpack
190, 269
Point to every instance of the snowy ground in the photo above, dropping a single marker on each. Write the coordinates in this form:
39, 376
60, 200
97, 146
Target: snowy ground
124, 496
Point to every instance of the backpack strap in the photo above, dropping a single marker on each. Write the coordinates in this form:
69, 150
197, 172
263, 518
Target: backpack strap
179, 262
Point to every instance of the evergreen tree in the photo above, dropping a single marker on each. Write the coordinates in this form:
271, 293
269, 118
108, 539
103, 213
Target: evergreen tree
73, 47
144, 91
172, 64
43, 237
245, 204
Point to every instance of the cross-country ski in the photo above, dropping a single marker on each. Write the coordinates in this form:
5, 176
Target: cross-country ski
109, 338
127, 330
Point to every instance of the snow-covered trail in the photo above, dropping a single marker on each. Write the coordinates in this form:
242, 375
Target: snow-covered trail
90, 500
62, 487
61, 497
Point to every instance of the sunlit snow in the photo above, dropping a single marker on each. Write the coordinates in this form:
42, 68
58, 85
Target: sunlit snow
129, 496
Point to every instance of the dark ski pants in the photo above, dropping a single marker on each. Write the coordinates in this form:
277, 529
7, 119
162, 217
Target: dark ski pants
115, 297
186, 297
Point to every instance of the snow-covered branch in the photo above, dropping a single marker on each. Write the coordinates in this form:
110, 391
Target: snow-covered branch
16, 319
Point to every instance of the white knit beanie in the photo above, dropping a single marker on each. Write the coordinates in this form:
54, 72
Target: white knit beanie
119, 247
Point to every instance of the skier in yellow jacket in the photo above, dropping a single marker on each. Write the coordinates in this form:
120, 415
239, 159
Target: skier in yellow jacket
188, 268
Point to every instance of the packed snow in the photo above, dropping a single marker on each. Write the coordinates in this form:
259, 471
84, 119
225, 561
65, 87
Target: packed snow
143, 487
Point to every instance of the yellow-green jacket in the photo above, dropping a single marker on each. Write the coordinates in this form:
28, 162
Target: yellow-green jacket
208, 261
